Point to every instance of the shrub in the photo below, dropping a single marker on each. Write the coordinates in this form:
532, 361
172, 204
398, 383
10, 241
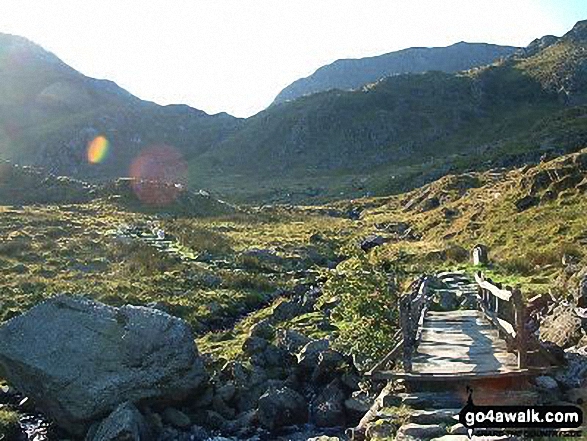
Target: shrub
9, 426
367, 314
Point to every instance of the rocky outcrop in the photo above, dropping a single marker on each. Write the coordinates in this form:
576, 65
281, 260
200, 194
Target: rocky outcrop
79, 359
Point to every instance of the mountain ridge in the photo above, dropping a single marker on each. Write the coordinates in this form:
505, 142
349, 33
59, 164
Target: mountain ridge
352, 73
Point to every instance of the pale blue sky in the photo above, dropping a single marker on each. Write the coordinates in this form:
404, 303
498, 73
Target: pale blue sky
236, 55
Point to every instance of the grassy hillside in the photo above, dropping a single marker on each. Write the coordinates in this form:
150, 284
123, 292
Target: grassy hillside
407, 130
253, 260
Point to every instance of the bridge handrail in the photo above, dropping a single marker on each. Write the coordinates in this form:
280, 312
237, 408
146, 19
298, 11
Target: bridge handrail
505, 308
413, 307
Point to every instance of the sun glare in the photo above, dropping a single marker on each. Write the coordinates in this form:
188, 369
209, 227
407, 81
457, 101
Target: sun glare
98, 149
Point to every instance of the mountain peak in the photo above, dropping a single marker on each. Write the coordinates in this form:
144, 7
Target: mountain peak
578, 33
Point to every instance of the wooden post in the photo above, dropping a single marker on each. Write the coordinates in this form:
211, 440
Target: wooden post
521, 339
406, 324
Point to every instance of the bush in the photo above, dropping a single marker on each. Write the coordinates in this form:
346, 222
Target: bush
367, 315
9, 426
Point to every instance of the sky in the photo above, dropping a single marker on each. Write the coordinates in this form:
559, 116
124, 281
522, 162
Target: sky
235, 56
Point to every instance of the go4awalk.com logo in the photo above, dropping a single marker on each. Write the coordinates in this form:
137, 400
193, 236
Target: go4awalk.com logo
526, 420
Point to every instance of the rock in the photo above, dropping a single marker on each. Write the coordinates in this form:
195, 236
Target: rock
419, 431
124, 424
458, 429
176, 418
446, 300
577, 396
381, 430
526, 202
327, 409
291, 341
561, 327
277, 357
356, 408
262, 329
330, 364
325, 438
546, 382
226, 392
581, 295
287, 310
308, 356
220, 406
254, 345
440, 416
260, 255
80, 359
371, 242
282, 407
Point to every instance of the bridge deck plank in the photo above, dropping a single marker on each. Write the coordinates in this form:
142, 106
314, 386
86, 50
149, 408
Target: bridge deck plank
461, 342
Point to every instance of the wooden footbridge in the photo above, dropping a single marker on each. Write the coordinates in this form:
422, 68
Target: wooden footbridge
485, 339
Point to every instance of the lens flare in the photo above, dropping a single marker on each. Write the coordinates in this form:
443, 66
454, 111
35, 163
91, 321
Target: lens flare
98, 149
160, 175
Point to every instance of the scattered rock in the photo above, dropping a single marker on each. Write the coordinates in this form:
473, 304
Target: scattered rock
527, 202
327, 409
125, 423
291, 341
308, 356
282, 407
262, 329
546, 382
254, 345
176, 418
371, 242
440, 416
419, 431
80, 359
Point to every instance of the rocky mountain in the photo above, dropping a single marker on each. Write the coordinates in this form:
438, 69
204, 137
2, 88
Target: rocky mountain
392, 135
351, 74
49, 113
406, 130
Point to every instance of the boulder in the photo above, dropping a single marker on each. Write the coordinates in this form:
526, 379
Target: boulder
288, 310
419, 431
124, 424
176, 418
262, 329
526, 202
291, 341
371, 242
254, 345
308, 356
439, 416
545, 382
446, 300
80, 359
280, 407
561, 327
328, 409
330, 364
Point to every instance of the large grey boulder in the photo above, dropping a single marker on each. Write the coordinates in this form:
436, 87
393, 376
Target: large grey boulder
79, 359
